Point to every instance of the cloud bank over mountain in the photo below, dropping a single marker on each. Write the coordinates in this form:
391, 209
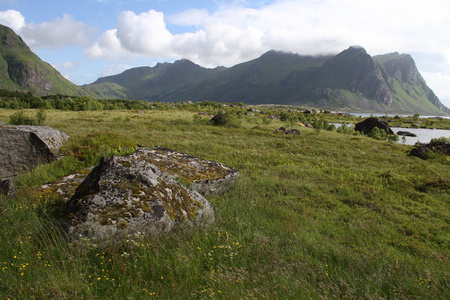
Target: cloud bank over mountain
233, 32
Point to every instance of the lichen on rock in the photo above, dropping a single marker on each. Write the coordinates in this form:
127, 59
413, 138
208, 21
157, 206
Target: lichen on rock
206, 177
122, 196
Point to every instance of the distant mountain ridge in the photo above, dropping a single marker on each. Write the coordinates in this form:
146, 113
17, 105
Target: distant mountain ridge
22, 70
350, 80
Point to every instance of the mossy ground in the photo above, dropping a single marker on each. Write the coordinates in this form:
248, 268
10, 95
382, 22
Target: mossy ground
322, 215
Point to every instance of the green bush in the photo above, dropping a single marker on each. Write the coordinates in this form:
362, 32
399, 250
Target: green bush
41, 116
380, 134
19, 118
345, 129
442, 139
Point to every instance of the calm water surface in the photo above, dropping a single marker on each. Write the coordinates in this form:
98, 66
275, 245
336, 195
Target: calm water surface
423, 135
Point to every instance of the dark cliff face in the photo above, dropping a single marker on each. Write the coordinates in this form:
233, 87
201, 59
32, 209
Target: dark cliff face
403, 68
356, 71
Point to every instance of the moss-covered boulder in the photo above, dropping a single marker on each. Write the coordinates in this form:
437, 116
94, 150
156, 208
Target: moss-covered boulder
123, 196
204, 176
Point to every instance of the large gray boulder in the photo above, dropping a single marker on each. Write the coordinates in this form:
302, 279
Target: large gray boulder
24, 147
204, 176
124, 196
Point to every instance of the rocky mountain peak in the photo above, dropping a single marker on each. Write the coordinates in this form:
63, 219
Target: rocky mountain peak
401, 66
9, 39
355, 70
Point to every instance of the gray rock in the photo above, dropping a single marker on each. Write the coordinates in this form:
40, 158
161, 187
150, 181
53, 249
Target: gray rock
124, 196
206, 177
24, 147
288, 132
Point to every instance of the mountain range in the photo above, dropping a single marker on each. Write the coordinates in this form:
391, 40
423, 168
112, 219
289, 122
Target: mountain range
350, 80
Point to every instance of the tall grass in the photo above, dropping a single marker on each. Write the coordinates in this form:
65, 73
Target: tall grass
314, 216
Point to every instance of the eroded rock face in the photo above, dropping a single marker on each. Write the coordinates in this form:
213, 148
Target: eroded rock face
125, 195
368, 124
423, 150
24, 147
206, 177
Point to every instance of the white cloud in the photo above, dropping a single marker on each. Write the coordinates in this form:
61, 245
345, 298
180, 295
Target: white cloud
115, 69
69, 65
107, 47
59, 33
234, 33
144, 34
12, 19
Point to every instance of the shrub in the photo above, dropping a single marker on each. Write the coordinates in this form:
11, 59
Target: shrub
441, 139
19, 118
41, 116
345, 129
380, 134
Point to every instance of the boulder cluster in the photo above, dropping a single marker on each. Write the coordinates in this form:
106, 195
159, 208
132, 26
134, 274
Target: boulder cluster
143, 193
149, 192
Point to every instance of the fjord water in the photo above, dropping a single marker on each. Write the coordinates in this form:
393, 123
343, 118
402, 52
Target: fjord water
423, 135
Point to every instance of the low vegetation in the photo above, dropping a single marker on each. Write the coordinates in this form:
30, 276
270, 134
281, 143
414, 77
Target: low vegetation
320, 215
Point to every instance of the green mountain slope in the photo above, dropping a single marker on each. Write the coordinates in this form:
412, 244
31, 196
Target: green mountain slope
351, 80
152, 83
24, 71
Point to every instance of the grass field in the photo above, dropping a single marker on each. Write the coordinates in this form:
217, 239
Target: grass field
322, 215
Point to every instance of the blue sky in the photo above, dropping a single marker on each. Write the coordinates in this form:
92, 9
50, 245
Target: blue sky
87, 39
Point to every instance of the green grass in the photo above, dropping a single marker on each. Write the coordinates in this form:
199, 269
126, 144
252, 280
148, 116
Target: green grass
322, 215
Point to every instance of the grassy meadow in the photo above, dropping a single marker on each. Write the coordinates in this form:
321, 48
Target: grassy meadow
320, 215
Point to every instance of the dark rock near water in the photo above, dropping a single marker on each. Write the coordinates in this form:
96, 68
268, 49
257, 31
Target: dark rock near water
422, 151
24, 147
406, 133
368, 124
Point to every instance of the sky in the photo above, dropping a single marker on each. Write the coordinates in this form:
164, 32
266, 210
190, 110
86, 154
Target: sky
88, 39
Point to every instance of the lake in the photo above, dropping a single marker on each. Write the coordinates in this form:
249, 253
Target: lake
367, 115
423, 135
